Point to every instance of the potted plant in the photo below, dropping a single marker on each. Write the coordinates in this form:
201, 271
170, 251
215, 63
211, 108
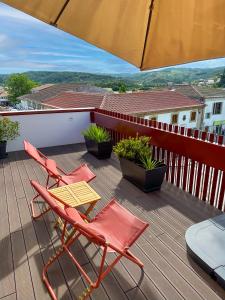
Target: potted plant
9, 130
137, 165
98, 141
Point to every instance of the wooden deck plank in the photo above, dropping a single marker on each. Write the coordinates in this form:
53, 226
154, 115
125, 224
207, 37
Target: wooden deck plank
183, 256
7, 282
10, 297
24, 284
14, 220
193, 280
168, 273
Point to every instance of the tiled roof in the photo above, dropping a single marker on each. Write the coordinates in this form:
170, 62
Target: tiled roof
199, 92
42, 87
187, 90
210, 92
3, 93
128, 103
56, 89
151, 101
75, 100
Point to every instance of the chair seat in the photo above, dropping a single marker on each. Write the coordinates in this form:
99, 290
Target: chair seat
119, 227
82, 173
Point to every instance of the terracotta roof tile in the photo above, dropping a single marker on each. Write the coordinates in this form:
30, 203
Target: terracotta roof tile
56, 89
151, 101
128, 103
75, 100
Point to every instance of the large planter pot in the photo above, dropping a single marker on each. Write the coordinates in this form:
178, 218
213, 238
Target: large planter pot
146, 180
3, 153
100, 150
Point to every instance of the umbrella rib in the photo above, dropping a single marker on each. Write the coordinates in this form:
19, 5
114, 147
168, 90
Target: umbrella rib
60, 13
147, 31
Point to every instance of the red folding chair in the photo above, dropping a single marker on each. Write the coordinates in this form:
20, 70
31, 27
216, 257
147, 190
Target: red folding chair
114, 229
82, 173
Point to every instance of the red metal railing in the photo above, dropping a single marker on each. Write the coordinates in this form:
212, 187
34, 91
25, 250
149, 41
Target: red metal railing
196, 159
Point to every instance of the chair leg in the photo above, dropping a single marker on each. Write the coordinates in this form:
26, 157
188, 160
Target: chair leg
44, 273
34, 215
101, 274
134, 259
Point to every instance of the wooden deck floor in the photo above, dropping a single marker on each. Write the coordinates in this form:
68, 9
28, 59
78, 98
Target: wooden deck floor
26, 244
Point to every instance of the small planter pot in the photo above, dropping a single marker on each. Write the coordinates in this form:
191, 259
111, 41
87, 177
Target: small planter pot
146, 180
3, 153
100, 150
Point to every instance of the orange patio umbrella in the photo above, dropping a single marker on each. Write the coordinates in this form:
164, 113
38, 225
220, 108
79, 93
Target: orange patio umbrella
147, 33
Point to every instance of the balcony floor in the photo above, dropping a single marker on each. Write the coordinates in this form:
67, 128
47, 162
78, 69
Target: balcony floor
26, 244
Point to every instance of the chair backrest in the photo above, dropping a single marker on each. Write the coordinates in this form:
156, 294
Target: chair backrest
74, 218
83, 173
48, 164
34, 153
69, 214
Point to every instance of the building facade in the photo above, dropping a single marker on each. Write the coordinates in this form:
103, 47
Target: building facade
214, 111
189, 118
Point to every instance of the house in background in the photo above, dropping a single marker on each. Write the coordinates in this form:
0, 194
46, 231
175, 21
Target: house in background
162, 106
3, 98
73, 99
36, 99
214, 100
167, 106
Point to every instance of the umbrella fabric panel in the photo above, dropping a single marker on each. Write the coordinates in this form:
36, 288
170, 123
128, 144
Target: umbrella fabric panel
116, 26
183, 31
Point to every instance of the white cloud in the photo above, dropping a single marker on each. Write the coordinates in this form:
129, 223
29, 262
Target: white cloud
9, 12
59, 54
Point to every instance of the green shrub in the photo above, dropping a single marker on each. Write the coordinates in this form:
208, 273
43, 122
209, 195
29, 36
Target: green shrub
9, 130
133, 148
150, 164
138, 150
96, 134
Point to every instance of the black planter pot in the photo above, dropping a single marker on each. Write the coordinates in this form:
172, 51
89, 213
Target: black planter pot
146, 180
100, 150
3, 153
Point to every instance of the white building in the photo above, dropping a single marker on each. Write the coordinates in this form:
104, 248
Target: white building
189, 118
214, 112
214, 115
3, 98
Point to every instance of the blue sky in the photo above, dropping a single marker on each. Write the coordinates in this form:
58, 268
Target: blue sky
28, 44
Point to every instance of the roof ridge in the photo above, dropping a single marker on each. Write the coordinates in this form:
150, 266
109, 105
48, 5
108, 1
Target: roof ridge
197, 91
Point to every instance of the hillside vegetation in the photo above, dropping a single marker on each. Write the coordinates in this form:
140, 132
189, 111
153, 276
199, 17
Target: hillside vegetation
132, 81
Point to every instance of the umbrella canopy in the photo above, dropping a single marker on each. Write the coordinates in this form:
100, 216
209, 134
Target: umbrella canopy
147, 33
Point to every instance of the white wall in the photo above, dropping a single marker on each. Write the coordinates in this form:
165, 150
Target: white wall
53, 129
166, 118
209, 109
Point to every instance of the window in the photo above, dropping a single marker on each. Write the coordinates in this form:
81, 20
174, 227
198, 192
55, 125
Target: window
174, 119
184, 118
193, 116
217, 108
207, 116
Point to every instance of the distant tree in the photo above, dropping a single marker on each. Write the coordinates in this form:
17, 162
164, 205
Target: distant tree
221, 83
18, 85
122, 88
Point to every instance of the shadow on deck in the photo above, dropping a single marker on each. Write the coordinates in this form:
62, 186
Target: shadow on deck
26, 244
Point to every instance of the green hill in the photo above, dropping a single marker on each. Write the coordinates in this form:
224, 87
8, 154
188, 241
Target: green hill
137, 80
